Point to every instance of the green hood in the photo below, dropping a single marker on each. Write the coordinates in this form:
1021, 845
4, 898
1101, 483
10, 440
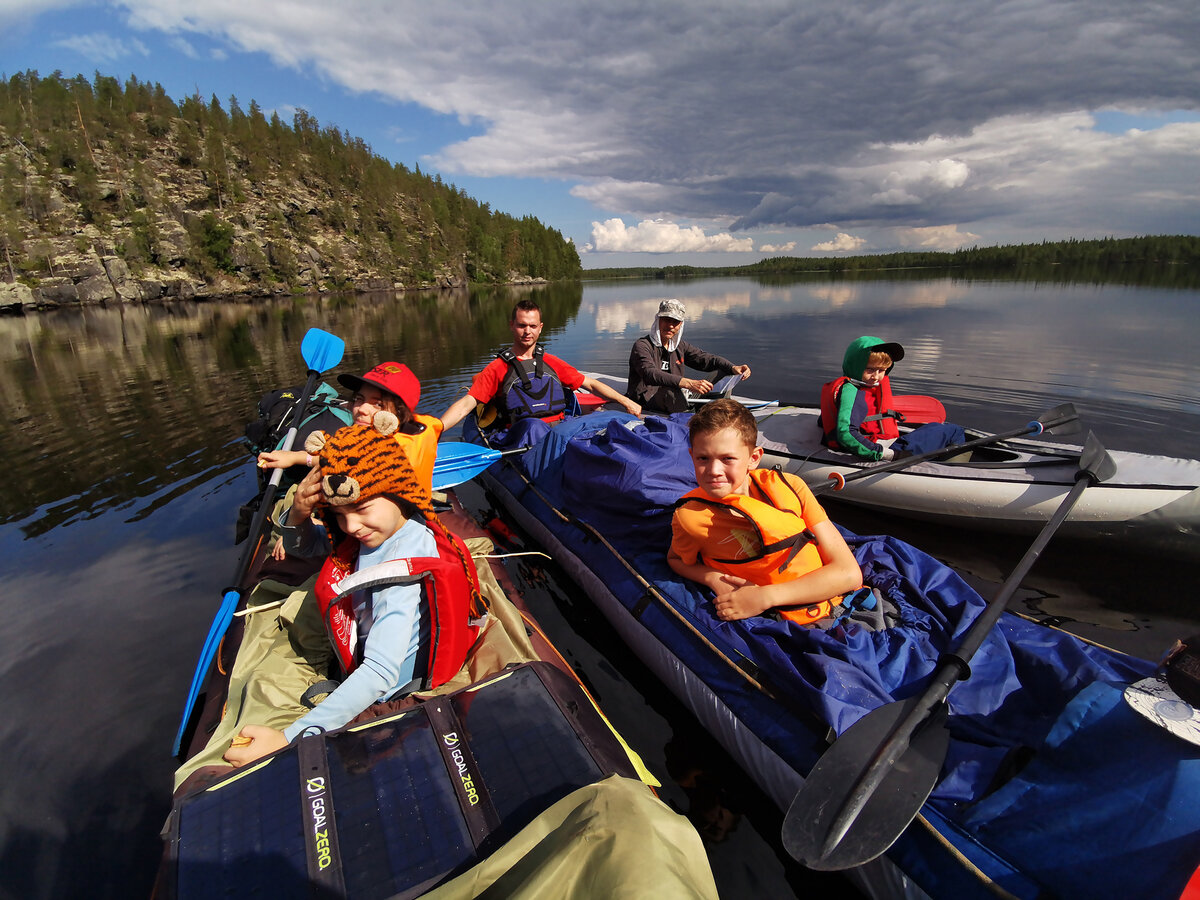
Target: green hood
855, 360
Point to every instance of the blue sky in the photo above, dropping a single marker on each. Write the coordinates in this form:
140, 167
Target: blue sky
709, 133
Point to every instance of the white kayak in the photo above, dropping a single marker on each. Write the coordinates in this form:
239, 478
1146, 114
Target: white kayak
1014, 485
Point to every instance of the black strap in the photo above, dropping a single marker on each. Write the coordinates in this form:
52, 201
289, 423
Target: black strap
320, 829
324, 686
473, 798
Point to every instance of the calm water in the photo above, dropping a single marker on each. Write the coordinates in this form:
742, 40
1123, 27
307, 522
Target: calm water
122, 434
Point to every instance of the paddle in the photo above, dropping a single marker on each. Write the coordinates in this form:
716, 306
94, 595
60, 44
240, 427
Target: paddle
458, 461
1060, 420
321, 351
918, 409
868, 786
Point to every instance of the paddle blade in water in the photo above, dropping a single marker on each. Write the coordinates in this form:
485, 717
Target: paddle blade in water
811, 823
321, 350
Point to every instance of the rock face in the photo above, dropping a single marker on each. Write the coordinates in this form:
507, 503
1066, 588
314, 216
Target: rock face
155, 206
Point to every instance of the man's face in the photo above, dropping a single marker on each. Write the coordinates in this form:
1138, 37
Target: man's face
667, 328
526, 329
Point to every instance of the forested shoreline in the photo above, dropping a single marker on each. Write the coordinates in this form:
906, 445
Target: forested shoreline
114, 191
1153, 259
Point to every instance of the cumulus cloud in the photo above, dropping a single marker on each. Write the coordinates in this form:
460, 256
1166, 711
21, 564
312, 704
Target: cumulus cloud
842, 243
936, 237
909, 113
778, 248
652, 236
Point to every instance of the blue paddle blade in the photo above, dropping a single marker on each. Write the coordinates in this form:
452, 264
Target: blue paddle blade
458, 461
321, 350
215, 632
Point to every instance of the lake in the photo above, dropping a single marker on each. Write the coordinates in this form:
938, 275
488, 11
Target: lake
123, 432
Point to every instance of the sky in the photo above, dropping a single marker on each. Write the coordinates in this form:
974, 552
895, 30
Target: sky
662, 132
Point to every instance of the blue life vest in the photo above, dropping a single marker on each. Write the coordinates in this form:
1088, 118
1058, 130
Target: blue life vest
531, 389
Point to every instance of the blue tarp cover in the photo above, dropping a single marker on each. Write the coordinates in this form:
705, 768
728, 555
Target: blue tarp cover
622, 476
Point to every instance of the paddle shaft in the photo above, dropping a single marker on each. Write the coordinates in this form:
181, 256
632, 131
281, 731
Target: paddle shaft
321, 356
948, 673
1035, 427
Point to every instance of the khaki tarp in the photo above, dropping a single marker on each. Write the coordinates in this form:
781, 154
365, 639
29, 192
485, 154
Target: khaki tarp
285, 650
611, 839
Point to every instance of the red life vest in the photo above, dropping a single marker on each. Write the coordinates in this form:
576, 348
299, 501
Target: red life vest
451, 593
880, 422
787, 548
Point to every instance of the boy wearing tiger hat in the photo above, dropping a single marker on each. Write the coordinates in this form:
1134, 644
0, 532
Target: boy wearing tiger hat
397, 591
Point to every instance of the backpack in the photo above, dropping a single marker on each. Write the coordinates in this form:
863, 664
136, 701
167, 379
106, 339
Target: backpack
325, 411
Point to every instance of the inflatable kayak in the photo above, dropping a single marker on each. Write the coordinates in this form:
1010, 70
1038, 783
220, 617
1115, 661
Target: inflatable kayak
1009, 485
1052, 785
507, 772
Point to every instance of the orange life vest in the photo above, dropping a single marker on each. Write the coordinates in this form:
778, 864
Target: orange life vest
785, 548
880, 422
419, 439
450, 592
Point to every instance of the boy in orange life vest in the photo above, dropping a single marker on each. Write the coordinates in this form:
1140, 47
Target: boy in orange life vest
756, 537
380, 633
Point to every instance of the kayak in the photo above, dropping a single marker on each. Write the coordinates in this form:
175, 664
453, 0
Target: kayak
508, 772
1012, 485
1052, 784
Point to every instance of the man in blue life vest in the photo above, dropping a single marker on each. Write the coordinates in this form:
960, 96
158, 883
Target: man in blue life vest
524, 382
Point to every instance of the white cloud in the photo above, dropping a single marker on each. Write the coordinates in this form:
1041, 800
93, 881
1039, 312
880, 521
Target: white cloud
103, 48
778, 248
906, 114
650, 236
936, 237
843, 242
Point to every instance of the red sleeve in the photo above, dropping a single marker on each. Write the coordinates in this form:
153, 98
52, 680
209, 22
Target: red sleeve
571, 377
487, 383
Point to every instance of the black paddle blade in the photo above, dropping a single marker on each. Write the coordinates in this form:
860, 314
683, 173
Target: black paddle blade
1094, 461
809, 823
1060, 420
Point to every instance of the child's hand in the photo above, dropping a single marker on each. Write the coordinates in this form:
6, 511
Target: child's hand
277, 552
742, 601
281, 459
254, 742
308, 493
720, 583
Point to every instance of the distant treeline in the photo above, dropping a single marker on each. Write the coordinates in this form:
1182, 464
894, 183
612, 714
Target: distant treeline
1143, 254
130, 161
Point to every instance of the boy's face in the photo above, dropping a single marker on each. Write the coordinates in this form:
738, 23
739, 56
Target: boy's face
872, 375
371, 522
723, 462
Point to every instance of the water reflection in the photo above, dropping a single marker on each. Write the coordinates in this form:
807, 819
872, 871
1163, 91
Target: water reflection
107, 405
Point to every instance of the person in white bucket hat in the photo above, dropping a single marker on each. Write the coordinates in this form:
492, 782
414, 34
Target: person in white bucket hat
656, 379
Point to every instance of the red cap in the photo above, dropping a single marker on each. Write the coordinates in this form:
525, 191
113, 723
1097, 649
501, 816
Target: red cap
393, 377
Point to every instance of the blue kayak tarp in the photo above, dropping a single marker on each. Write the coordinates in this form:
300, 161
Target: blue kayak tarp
622, 476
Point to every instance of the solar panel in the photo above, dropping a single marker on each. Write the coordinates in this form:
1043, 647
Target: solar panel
395, 806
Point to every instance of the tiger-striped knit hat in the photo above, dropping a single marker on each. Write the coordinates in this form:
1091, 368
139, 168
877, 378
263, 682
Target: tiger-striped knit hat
361, 462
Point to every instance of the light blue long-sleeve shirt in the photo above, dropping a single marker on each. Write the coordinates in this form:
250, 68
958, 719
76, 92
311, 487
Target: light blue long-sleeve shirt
388, 621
